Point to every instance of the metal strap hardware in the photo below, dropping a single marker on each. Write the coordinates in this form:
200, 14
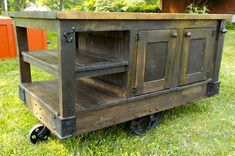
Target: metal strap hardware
68, 35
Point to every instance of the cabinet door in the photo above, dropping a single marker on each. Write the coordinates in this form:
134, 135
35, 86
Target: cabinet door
197, 49
155, 60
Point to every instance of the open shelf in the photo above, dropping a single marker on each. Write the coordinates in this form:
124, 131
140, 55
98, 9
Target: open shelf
90, 94
85, 65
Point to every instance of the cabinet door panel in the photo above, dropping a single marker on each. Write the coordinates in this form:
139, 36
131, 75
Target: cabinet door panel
155, 60
196, 55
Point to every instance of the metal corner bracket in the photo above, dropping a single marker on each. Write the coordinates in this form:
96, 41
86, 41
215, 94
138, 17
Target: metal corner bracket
213, 88
64, 127
22, 94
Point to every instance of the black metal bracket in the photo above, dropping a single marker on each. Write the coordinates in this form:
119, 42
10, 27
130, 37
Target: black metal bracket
68, 35
138, 36
134, 91
213, 88
224, 30
64, 127
22, 94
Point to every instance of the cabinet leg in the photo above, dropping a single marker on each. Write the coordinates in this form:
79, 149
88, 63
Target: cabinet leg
22, 41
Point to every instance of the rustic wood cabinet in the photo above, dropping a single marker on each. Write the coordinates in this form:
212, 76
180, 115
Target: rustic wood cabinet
116, 67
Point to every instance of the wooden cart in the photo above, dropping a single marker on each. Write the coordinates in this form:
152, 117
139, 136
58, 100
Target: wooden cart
117, 67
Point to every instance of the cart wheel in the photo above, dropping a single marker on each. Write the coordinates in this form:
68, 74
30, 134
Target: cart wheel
140, 125
155, 119
39, 133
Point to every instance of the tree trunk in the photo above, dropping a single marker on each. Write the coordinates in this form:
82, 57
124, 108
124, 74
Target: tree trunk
22, 5
61, 5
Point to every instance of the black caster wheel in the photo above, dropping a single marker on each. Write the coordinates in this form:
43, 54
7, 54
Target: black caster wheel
39, 133
155, 119
141, 125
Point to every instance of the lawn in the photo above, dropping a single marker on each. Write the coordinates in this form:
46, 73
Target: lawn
205, 127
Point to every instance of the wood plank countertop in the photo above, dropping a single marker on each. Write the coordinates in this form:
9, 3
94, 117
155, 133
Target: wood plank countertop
80, 15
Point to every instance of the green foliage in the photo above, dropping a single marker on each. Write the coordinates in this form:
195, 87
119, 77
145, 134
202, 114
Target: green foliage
230, 26
200, 6
61, 4
127, 5
193, 9
89, 5
143, 8
16, 5
104, 5
1, 6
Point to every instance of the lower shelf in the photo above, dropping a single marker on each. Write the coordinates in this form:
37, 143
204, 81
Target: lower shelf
90, 94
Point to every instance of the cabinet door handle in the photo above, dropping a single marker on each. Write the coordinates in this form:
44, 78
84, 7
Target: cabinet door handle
188, 34
174, 34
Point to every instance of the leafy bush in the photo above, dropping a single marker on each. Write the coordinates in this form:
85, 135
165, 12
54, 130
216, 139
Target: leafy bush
200, 6
193, 9
88, 5
230, 26
127, 5
143, 8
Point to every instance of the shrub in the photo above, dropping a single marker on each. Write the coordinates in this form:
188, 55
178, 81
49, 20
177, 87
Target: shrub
143, 8
230, 26
193, 9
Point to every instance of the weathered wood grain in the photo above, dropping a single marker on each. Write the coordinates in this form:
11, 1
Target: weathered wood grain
85, 65
93, 120
155, 60
112, 15
90, 94
22, 44
42, 24
198, 46
45, 60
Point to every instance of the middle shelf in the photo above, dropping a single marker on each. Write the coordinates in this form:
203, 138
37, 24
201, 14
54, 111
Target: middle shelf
85, 65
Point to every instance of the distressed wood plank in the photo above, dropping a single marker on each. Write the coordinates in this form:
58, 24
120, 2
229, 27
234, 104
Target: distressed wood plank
85, 65
112, 15
31, 14
46, 60
90, 94
137, 16
100, 118
196, 57
42, 24
155, 59
22, 42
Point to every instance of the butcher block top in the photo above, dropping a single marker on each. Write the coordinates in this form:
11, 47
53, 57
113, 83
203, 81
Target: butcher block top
80, 15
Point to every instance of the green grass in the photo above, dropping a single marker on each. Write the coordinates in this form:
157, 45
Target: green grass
205, 127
